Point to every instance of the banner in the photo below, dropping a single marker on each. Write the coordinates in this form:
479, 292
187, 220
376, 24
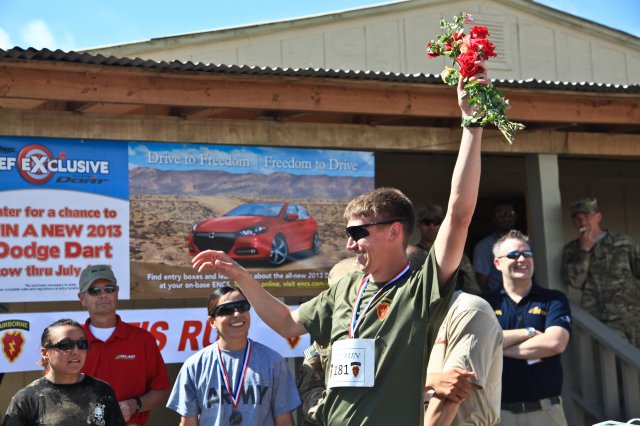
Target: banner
179, 333
147, 208
64, 204
276, 211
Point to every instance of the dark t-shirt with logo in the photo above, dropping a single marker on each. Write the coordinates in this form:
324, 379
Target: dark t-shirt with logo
88, 402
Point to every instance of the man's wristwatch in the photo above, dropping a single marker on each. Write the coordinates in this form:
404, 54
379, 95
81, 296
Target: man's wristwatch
530, 332
429, 394
138, 403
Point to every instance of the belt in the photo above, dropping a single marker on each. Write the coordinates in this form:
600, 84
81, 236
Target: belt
525, 407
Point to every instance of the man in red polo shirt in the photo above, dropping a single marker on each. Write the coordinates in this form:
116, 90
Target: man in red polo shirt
122, 355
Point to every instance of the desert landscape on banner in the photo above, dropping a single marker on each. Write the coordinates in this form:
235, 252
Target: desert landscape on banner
165, 206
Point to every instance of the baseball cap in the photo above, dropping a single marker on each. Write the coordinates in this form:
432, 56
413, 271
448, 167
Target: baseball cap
430, 210
92, 273
584, 205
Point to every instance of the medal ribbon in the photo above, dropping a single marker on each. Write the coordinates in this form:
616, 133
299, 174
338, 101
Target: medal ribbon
355, 319
235, 396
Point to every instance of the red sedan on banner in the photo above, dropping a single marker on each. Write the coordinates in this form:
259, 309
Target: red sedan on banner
258, 231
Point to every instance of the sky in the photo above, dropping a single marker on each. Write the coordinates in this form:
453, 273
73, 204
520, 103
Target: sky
76, 25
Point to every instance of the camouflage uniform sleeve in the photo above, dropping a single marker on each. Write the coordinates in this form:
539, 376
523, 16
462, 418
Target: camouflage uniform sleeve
575, 265
311, 385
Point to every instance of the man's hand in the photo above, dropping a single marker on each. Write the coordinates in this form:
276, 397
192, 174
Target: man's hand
481, 77
220, 262
451, 384
588, 237
128, 408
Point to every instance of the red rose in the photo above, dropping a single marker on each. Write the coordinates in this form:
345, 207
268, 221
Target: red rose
484, 47
455, 38
479, 32
467, 62
432, 52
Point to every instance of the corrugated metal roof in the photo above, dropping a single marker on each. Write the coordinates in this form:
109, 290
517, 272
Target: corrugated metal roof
32, 54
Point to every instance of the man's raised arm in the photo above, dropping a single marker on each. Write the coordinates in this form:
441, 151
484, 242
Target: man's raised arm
273, 312
449, 244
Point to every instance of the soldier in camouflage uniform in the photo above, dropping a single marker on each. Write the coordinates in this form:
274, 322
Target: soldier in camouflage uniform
605, 267
312, 381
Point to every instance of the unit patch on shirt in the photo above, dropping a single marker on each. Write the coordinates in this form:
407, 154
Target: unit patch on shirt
383, 308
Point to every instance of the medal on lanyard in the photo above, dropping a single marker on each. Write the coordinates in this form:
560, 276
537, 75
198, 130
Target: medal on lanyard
353, 360
236, 417
357, 320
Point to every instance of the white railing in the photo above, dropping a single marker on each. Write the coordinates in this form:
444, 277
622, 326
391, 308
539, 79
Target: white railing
602, 373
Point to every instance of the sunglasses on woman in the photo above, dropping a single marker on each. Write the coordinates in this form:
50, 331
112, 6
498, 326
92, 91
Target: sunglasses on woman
230, 308
67, 344
94, 291
357, 232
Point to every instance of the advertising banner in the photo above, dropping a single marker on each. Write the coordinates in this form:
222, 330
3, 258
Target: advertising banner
276, 211
64, 204
147, 208
178, 332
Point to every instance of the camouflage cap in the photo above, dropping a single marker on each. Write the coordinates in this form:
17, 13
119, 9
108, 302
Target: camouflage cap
584, 205
93, 273
430, 210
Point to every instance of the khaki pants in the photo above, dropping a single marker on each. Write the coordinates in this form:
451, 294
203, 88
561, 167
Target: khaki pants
549, 416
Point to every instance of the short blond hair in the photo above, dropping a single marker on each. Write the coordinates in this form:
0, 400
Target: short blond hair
384, 204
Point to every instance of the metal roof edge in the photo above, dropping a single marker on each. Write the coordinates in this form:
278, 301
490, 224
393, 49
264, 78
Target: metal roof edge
32, 54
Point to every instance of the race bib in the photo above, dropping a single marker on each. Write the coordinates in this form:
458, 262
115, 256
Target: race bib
353, 363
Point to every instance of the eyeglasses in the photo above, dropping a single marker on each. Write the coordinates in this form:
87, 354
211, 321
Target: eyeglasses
94, 291
514, 255
68, 345
229, 308
505, 213
427, 222
357, 232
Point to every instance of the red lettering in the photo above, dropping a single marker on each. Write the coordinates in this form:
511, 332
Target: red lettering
190, 331
10, 272
161, 338
30, 251
73, 250
61, 230
30, 231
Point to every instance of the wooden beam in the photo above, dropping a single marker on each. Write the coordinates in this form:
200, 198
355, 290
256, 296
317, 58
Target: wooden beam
307, 135
206, 90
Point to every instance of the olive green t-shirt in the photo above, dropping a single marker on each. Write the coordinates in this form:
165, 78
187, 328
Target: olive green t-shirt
398, 323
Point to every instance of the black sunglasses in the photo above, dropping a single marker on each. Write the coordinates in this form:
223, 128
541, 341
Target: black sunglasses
68, 344
229, 308
94, 291
505, 213
427, 222
513, 255
360, 231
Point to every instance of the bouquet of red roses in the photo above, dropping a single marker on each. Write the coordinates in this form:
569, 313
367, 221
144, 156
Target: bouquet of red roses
490, 106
